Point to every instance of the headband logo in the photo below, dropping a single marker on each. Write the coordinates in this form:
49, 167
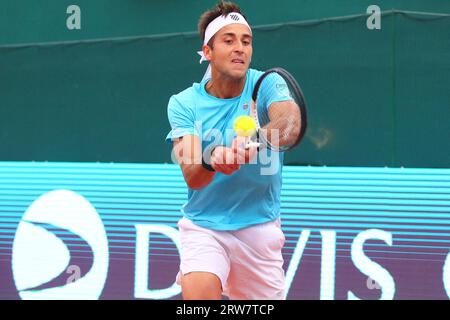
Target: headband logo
234, 17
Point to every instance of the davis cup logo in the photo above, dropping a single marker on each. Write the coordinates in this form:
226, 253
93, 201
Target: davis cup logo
38, 255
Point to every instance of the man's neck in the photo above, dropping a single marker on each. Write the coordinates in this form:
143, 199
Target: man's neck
225, 88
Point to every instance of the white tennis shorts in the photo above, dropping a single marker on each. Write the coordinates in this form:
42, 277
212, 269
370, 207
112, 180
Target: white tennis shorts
248, 261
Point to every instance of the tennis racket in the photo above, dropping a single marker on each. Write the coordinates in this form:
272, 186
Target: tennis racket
279, 111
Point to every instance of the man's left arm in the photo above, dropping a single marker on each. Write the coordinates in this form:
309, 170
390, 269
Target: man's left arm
285, 118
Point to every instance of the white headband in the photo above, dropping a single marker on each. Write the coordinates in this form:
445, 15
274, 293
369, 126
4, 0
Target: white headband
217, 24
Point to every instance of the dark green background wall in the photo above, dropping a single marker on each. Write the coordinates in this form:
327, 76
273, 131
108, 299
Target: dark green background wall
376, 97
25, 21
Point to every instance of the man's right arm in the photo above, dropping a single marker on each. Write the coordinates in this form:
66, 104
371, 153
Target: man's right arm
188, 151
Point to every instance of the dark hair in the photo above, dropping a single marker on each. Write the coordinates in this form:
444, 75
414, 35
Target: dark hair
222, 8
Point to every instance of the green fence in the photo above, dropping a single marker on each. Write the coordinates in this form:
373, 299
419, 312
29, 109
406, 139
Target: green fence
376, 97
30, 21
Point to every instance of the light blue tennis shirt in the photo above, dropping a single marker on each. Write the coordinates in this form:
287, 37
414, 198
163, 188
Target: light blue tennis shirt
250, 195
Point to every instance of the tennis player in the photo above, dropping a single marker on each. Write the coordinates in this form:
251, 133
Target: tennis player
230, 233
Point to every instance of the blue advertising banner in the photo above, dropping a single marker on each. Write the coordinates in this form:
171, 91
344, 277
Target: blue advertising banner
108, 231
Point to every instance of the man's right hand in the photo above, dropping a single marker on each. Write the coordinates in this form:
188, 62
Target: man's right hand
224, 160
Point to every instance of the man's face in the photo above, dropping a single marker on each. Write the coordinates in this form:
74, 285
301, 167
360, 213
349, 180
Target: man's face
232, 51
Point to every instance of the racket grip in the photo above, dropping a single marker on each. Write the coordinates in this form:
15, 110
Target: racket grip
252, 144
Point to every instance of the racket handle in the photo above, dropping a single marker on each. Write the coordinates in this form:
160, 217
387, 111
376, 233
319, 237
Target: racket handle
252, 144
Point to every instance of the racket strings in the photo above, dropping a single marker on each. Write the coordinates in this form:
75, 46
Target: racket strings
279, 111
283, 129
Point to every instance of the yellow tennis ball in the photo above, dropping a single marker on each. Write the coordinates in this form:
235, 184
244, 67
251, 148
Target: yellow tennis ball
244, 126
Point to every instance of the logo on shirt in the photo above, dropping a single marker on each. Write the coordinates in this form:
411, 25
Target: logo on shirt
245, 106
283, 89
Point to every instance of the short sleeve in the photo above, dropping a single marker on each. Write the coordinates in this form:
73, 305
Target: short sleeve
181, 119
273, 89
